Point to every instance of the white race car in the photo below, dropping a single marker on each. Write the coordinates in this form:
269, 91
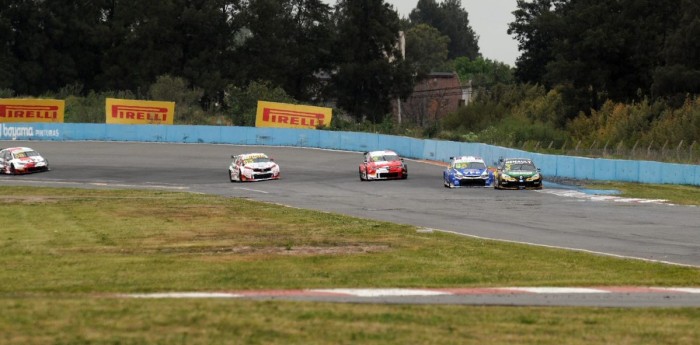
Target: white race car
253, 167
21, 160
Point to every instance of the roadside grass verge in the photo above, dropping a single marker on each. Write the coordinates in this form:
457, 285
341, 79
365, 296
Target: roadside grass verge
681, 195
205, 322
64, 251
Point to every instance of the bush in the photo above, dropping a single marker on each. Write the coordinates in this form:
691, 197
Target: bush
242, 103
176, 89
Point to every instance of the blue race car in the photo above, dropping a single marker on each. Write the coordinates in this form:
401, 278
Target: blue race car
467, 171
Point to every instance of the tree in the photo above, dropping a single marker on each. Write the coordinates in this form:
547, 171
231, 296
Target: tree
176, 89
243, 102
290, 41
46, 45
426, 48
680, 72
483, 72
370, 71
182, 38
536, 29
592, 50
452, 21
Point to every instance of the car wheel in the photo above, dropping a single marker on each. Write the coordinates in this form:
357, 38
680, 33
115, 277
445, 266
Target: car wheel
366, 177
451, 185
361, 177
230, 177
12, 170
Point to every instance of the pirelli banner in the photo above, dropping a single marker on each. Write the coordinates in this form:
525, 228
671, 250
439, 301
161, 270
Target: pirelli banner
32, 110
282, 115
133, 112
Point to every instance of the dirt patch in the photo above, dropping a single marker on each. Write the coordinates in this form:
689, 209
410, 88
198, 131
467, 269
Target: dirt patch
29, 199
250, 250
311, 250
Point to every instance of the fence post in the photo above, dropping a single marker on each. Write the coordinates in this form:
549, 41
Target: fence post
577, 145
550, 145
663, 148
634, 149
618, 150
690, 151
678, 150
649, 148
605, 148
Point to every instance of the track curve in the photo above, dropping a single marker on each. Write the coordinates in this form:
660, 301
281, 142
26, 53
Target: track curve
328, 181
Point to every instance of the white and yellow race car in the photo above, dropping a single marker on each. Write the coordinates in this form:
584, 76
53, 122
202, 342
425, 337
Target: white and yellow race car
253, 167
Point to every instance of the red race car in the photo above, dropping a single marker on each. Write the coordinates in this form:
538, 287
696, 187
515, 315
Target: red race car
382, 165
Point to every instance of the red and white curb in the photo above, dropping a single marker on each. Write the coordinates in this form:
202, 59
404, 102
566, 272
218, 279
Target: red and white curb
374, 293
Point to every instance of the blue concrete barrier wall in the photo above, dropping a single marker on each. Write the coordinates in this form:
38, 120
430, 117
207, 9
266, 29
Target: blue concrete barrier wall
439, 150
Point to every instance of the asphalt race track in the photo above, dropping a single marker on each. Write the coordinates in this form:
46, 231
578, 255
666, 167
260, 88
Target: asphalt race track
329, 181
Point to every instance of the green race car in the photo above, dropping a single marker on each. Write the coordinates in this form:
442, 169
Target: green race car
517, 173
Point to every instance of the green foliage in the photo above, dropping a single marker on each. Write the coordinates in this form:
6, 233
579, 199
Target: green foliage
242, 103
680, 73
483, 72
507, 115
289, 41
175, 89
594, 50
91, 108
426, 48
370, 72
7, 93
450, 19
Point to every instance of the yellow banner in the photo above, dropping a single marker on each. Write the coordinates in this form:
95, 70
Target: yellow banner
133, 112
32, 110
282, 115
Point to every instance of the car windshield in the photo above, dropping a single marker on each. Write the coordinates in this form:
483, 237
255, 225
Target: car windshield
24, 154
520, 167
470, 165
385, 158
256, 160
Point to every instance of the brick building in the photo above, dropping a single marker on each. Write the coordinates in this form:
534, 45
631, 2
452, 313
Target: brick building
434, 97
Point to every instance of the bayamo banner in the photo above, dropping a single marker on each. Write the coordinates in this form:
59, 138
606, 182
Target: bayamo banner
133, 112
32, 110
282, 115
25, 131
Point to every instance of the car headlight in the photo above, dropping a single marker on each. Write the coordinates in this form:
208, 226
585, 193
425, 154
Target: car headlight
507, 177
485, 173
458, 174
534, 177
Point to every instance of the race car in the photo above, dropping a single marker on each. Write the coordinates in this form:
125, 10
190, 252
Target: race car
21, 160
382, 165
517, 173
466, 171
253, 167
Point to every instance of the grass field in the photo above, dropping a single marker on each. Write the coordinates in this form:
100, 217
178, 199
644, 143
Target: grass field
65, 250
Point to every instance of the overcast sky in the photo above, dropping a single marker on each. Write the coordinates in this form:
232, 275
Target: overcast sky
488, 18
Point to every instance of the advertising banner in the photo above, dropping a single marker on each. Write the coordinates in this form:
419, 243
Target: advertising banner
32, 110
282, 115
134, 112
27, 131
